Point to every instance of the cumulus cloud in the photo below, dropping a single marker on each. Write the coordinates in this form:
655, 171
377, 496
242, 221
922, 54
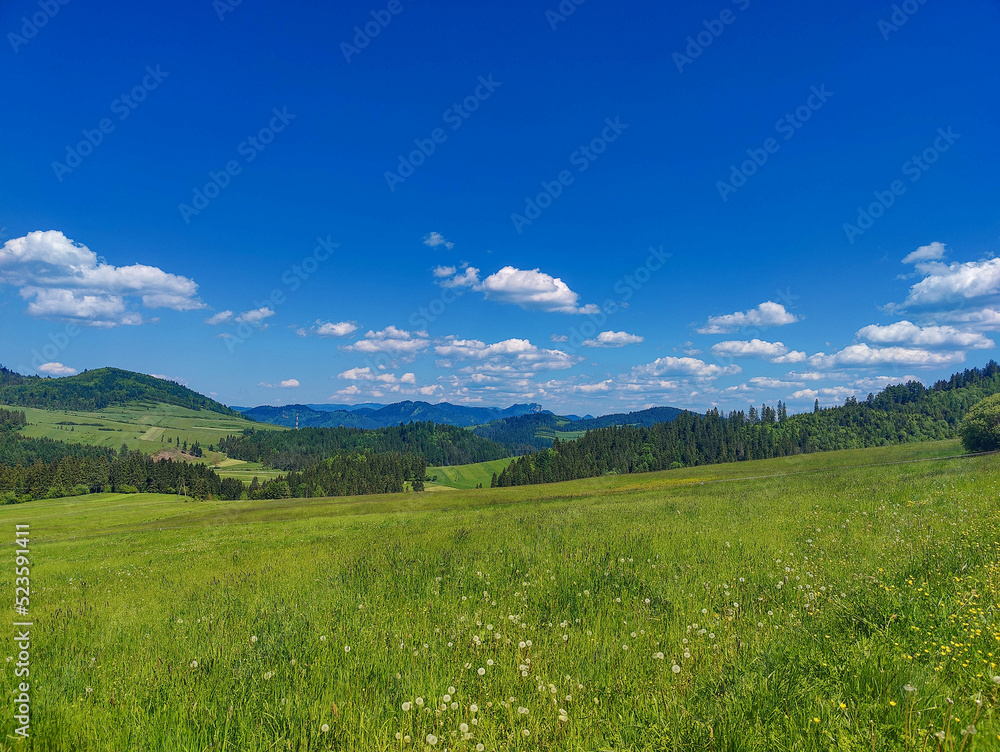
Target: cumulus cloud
467, 278
671, 366
767, 313
534, 290
256, 316
338, 329
349, 391
559, 338
56, 369
222, 317
950, 284
908, 333
434, 239
601, 387
864, 355
391, 340
930, 252
510, 355
613, 339
63, 279
776, 352
444, 271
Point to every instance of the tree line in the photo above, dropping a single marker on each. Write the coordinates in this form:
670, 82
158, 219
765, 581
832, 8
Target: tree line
437, 444
898, 414
347, 474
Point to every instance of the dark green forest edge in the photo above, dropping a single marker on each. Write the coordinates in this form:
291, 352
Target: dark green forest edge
345, 461
439, 444
898, 414
100, 388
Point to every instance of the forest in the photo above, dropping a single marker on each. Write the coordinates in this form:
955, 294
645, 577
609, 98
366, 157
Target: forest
898, 414
438, 444
347, 474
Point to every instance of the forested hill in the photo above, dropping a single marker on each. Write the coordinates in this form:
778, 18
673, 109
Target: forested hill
295, 450
97, 389
383, 416
528, 433
898, 414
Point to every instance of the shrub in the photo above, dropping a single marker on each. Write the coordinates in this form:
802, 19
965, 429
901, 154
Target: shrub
980, 430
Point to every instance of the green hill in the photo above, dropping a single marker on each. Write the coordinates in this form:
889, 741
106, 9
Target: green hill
898, 414
99, 389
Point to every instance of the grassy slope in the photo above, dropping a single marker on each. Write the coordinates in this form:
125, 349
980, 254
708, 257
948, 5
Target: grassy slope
138, 425
467, 476
892, 561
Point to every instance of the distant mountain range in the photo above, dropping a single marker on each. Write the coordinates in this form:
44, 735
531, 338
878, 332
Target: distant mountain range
527, 433
381, 416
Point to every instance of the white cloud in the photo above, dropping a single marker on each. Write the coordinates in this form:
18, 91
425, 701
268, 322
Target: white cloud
764, 382
350, 391
863, 355
56, 369
427, 391
613, 339
776, 352
444, 271
286, 384
357, 374
532, 289
949, 284
931, 252
559, 338
256, 316
468, 278
830, 394
671, 366
434, 239
908, 333
408, 378
391, 340
339, 329
66, 280
510, 355
813, 376
601, 387
221, 317
768, 313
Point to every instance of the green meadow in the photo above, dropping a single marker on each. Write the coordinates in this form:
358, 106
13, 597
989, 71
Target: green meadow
840, 601
466, 476
138, 425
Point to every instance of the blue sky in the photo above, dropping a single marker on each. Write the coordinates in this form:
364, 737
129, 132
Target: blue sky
604, 209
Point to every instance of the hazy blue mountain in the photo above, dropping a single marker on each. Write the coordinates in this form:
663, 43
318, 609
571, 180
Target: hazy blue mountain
330, 416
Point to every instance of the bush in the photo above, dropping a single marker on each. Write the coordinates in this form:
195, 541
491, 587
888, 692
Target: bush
127, 489
980, 430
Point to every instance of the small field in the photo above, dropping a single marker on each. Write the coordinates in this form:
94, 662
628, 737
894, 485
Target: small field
142, 426
246, 471
840, 601
466, 476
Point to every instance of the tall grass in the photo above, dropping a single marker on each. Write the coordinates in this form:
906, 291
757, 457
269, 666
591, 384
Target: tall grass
725, 608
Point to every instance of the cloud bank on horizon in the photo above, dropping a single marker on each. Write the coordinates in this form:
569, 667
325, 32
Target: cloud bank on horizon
47, 266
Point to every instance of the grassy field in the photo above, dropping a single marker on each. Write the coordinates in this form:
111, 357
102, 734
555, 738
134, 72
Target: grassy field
246, 471
466, 476
830, 601
143, 426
